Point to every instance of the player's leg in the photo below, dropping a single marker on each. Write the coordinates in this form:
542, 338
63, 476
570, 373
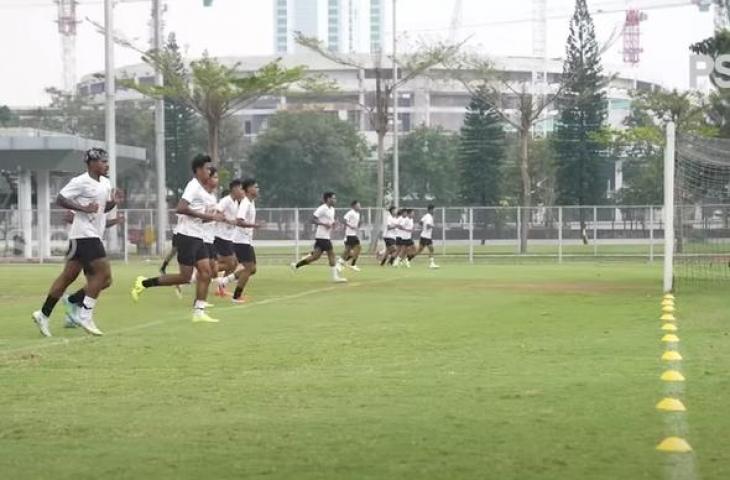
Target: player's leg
355, 254
332, 258
202, 266
186, 257
68, 275
431, 259
249, 269
168, 258
311, 258
99, 279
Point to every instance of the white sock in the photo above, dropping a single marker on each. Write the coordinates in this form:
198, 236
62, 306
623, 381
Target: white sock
227, 279
334, 272
194, 276
199, 306
88, 308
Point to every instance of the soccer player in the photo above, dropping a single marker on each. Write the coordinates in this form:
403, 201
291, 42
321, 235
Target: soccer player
352, 241
324, 218
223, 244
90, 196
426, 238
399, 219
389, 237
191, 247
243, 240
407, 245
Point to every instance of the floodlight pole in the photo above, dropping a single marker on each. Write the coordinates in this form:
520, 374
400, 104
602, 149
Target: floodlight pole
110, 90
396, 160
160, 135
669, 208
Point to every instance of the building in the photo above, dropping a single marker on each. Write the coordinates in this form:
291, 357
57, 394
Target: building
345, 26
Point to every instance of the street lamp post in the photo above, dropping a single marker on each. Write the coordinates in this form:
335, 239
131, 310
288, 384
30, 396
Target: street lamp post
396, 166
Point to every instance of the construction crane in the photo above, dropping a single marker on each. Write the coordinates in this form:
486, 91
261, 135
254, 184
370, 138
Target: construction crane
67, 22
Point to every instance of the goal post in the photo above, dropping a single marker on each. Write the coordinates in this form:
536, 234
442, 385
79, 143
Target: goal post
669, 158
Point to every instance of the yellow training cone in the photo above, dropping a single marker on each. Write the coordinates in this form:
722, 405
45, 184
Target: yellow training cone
670, 338
672, 376
669, 327
671, 405
667, 317
668, 309
667, 301
669, 296
674, 445
671, 356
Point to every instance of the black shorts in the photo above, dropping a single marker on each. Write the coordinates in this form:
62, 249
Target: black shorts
323, 245
389, 242
352, 241
426, 242
408, 243
245, 253
210, 250
85, 251
398, 241
224, 248
175, 239
190, 250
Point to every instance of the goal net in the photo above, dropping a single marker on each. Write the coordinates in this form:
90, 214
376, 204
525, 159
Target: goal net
701, 209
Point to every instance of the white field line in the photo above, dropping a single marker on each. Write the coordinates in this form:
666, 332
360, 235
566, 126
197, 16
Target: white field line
177, 315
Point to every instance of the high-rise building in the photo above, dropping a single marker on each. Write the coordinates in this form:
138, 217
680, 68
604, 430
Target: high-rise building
343, 25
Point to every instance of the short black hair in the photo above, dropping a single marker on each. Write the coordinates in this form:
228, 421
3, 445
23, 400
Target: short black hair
234, 183
327, 195
249, 182
430, 207
354, 202
94, 154
213, 170
199, 161
391, 209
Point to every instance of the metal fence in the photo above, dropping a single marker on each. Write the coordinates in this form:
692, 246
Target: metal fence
469, 233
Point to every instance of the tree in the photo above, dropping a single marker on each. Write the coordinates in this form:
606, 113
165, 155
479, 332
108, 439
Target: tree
481, 154
410, 66
6, 116
428, 166
302, 154
213, 90
582, 108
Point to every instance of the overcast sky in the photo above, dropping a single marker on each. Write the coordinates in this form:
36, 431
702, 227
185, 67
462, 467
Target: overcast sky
30, 51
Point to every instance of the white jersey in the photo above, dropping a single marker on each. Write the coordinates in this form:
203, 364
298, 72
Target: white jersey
398, 224
352, 223
210, 229
390, 221
407, 223
198, 198
427, 222
247, 213
84, 190
229, 208
324, 214
177, 224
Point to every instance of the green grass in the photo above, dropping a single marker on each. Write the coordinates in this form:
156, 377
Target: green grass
492, 371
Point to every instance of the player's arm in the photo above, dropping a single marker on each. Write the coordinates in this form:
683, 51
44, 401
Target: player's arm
69, 204
117, 197
316, 221
115, 221
183, 208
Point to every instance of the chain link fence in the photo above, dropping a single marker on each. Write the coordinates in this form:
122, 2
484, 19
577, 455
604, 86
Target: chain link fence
465, 233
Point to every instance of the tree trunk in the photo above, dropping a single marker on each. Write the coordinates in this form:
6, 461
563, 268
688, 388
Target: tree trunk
214, 133
526, 188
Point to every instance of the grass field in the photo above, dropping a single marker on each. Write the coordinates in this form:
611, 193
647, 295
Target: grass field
492, 371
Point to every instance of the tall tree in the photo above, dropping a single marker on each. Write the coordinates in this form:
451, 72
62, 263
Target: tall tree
481, 154
6, 116
428, 166
180, 123
302, 154
582, 108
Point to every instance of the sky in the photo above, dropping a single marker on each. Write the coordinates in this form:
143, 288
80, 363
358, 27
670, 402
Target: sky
30, 47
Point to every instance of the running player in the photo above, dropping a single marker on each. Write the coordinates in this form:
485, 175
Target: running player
406, 229
223, 244
191, 248
399, 219
324, 218
243, 240
389, 235
352, 240
425, 240
90, 196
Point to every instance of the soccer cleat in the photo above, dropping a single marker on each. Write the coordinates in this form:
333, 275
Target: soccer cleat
69, 322
339, 280
355, 268
199, 316
41, 322
293, 266
72, 312
239, 301
138, 288
407, 263
434, 266
89, 326
178, 292
209, 305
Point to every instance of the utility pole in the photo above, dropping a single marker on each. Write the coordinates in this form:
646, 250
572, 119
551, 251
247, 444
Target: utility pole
157, 29
396, 166
110, 90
